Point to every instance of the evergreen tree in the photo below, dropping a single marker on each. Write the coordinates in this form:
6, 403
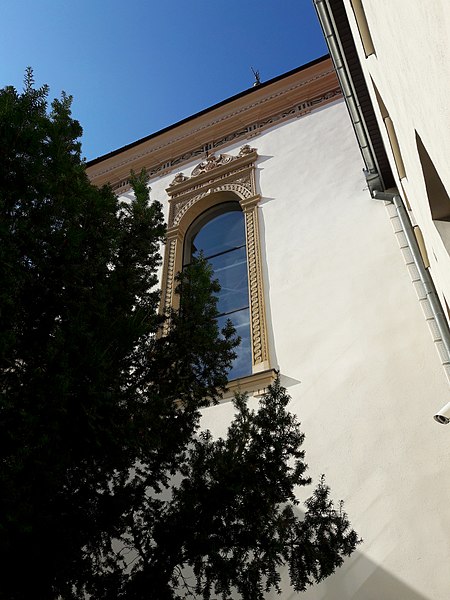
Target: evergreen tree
108, 486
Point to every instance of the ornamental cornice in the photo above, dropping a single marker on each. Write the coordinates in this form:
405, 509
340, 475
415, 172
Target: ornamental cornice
241, 119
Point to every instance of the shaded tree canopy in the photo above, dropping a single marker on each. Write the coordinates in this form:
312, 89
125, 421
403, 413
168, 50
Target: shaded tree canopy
109, 487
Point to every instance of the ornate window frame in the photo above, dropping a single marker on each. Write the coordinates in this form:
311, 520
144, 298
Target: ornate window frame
209, 182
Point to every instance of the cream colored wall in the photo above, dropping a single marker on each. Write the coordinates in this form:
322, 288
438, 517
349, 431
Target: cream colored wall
346, 324
411, 69
349, 337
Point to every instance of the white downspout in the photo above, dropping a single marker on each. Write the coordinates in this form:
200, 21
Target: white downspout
443, 416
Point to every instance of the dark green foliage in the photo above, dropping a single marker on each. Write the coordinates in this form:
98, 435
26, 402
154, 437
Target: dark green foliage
232, 519
107, 486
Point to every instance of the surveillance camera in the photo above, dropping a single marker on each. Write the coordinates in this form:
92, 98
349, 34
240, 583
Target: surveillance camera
443, 416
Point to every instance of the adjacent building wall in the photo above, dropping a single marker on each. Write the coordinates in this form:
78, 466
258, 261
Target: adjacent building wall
410, 69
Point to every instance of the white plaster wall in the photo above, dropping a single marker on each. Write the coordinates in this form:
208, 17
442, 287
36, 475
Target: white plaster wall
411, 69
354, 350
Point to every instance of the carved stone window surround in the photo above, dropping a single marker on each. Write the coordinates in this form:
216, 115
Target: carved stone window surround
216, 178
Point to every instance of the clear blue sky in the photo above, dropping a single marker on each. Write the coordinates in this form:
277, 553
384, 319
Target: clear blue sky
136, 66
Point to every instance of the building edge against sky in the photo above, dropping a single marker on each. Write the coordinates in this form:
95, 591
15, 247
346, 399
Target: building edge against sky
333, 307
392, 61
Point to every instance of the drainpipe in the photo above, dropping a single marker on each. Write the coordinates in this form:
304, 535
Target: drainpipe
425, 276
326, 20
443, 416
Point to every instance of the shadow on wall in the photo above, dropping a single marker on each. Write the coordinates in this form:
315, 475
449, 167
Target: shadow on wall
358, 579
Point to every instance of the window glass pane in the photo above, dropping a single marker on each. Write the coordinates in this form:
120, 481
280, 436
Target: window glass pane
220, 235
223, 232
242, 365
231, 271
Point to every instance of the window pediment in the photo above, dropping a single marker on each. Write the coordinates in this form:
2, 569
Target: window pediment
215, 174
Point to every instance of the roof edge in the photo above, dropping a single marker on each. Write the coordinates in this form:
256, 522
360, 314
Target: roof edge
247, 92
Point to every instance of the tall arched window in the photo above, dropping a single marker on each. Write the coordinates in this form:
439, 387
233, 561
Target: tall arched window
219, 234
215, 211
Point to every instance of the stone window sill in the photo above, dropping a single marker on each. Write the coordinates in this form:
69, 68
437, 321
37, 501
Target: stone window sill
255, 384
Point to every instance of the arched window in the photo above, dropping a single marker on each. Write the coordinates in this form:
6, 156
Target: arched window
215, 211
219, 234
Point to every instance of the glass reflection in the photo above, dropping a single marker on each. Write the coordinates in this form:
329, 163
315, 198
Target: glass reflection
242, 363
221, 239
223, 232
231, 271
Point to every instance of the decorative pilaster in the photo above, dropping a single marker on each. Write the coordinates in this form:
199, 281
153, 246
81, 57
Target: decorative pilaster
172, 265
260, 351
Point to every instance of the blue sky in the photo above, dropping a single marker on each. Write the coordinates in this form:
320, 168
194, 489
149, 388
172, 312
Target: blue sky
136, 66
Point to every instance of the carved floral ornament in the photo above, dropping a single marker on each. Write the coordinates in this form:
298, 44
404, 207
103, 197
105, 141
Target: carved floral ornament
210, 163
214, 174
189, 196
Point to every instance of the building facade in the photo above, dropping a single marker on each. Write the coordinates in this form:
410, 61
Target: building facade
330, 301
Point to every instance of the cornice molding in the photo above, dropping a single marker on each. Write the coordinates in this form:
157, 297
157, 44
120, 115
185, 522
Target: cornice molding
242, 119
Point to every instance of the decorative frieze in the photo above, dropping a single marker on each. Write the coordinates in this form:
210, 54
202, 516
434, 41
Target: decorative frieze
246, 132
